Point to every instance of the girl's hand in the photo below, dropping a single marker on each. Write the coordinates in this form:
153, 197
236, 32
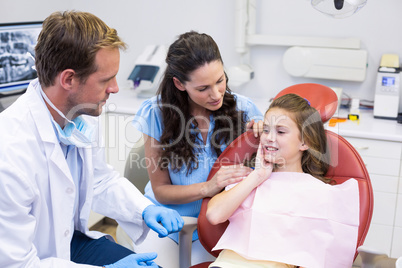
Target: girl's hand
224, 176
257, 127
224, 204
263, 168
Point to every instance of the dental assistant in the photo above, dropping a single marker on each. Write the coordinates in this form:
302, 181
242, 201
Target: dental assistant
52, 166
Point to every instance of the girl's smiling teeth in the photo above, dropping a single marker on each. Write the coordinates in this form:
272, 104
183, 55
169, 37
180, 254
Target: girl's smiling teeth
270, 148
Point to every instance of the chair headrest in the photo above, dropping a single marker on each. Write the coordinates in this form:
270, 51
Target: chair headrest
321, 97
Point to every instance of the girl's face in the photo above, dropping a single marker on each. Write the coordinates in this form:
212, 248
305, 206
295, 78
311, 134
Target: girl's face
281, 141
206, 87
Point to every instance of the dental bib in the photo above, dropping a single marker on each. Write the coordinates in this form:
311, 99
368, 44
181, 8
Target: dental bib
296, 219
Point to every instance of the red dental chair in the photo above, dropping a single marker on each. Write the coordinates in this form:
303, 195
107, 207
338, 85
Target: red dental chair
346, 163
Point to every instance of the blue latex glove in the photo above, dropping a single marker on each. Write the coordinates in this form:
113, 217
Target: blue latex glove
162, 220
135, 260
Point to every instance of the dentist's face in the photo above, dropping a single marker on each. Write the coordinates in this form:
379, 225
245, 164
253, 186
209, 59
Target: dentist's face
206, 87
90, 96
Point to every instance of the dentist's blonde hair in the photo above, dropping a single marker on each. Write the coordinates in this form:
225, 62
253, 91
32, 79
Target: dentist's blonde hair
70, 40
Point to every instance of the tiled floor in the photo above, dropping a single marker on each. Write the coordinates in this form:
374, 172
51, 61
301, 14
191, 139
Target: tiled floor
108, 226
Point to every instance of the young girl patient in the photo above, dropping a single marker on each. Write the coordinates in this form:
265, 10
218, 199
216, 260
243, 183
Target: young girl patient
285, 213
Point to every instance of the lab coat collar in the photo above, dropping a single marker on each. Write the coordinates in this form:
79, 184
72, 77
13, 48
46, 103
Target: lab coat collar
42, 118
41, 113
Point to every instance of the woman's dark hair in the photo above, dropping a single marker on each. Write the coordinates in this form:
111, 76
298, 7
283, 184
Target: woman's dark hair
189, 52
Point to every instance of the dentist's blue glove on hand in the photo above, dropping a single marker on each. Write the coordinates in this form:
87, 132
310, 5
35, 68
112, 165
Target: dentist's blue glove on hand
162, 220
135, 261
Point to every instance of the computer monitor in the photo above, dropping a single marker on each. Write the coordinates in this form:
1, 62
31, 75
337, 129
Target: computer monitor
17, 52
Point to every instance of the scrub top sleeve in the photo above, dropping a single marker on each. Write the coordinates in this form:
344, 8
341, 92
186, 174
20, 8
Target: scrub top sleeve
148, 119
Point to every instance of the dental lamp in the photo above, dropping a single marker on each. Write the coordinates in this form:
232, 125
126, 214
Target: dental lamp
338, 8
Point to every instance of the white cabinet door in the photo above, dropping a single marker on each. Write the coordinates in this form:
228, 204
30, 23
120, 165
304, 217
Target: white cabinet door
383, 161
397, 243
379, 238
121, 137
396, 251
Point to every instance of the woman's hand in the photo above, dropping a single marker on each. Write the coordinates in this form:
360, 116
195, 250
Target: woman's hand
257, 127
224, 176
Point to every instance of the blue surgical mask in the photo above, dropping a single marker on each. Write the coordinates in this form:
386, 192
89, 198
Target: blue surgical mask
77, 132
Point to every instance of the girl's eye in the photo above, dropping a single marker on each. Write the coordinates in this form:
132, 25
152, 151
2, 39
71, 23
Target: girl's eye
220, 81
265, 130
202, 89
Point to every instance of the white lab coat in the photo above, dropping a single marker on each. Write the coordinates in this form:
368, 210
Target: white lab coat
37, 191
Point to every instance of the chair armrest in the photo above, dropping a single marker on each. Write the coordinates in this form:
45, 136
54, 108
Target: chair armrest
186, 241
398, 263
372, 258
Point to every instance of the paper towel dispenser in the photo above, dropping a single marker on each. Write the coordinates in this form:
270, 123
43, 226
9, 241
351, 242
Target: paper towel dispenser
326, 63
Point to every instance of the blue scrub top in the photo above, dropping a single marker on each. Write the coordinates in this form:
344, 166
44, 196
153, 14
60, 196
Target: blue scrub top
148, 120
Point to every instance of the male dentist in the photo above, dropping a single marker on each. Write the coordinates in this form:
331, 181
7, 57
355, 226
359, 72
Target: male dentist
52, 169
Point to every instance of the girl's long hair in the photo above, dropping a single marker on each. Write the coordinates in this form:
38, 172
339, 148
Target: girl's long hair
315, 160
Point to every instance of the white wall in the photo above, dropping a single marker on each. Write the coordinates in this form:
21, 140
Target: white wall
143, 22
26, 10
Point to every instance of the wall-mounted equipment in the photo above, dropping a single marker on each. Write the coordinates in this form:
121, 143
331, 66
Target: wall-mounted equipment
388, 88
338, 8
246, 37
148, 71
326, 63
240, 74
